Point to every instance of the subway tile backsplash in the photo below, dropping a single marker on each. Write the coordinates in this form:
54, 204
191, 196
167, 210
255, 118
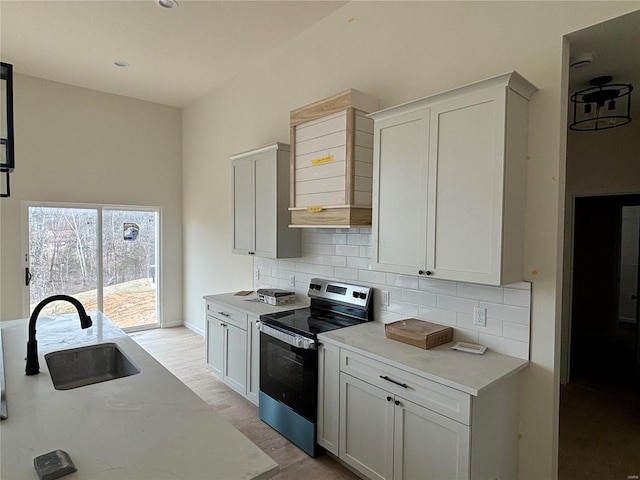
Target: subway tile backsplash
345, 255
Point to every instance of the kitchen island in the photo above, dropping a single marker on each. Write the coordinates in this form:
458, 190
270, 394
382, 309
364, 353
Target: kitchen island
144, 426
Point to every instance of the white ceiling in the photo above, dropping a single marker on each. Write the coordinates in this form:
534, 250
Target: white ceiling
615, 46
174, 56
178, 55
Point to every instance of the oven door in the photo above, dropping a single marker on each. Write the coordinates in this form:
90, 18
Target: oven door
288, 369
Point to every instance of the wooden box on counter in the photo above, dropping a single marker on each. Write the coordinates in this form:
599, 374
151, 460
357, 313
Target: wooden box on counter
332, 161
419, 333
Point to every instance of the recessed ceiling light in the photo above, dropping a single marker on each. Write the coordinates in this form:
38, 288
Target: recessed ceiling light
121, 63
167, 3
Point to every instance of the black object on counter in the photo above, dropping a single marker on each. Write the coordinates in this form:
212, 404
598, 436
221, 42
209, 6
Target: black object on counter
54, 465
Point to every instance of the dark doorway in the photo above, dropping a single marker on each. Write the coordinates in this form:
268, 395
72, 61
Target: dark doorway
604, 336
600, 406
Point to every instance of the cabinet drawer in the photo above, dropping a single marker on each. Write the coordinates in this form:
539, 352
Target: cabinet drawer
434, 396
227, 314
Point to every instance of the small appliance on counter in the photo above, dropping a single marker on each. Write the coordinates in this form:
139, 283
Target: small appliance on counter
289, 356
276, 296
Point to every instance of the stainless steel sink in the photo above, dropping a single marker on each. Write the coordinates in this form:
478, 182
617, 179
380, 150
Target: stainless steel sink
82, 366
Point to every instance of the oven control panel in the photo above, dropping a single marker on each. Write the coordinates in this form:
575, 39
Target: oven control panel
355, 295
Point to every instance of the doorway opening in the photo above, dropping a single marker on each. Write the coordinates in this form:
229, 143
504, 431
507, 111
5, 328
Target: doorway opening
600, 404
599, 411
106, 257
604, 312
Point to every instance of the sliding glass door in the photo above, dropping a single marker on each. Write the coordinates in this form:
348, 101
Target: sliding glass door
106, 257
129, 247
63, 247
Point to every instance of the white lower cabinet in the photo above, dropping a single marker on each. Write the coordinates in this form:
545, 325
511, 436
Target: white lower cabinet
428, 445
226, 337
215, 345
328, 397
235, 359
366, 428
253, 359
226, 353
387, 437
395, 425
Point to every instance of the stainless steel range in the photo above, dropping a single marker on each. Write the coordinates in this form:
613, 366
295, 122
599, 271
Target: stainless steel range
289, 356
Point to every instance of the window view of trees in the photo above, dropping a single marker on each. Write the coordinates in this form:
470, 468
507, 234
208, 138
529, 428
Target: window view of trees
126, 260
63, 250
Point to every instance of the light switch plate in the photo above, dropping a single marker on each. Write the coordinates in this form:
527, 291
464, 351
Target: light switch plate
256, 273
292, 281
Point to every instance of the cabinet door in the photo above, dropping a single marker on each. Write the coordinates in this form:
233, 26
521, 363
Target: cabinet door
215, 345
243, 205
266, 199
466, 175
428, 446
328, 397
401, 151
253, 360
235, 365
366, 428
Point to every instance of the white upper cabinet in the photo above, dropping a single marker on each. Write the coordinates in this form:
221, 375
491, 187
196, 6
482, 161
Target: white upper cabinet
450, 183
260, 201
400, 192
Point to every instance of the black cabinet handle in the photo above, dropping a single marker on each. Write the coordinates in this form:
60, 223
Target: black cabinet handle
425, 272
223, 324
224, 314
389, 399
27, 276
403, 385
397, 402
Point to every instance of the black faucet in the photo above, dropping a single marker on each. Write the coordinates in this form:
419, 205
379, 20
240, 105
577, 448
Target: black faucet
33, 366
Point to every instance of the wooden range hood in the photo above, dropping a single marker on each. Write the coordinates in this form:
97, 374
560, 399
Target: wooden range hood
332, 162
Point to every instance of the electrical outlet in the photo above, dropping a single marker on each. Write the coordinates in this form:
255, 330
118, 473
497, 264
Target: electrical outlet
480, 316
256, 273
385, 297
292, 281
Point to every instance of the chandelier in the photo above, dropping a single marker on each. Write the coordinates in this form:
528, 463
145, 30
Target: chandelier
603, 105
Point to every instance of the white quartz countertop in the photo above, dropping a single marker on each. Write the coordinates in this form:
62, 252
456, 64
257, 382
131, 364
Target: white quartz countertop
467, 372
249, 304
145, 426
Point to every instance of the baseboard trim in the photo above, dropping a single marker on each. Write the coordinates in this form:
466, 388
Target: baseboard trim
194, 328
171, 324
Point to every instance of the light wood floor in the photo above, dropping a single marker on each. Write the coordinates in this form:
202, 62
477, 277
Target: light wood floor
182, 352
600, 413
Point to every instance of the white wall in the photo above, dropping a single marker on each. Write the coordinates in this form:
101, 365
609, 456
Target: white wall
603, 161
78, 145
399, 52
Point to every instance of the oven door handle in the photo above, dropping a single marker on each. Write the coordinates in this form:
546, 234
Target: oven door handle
289, 338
